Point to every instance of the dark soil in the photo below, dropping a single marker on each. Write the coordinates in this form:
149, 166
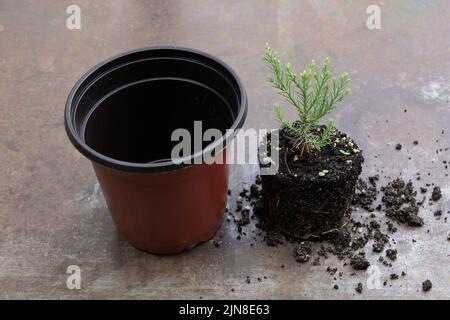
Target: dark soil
386, 207
302, 200
303, 252
400, 203
359, 262
427, 285
437, 213
391, 254
436, 195
365, 195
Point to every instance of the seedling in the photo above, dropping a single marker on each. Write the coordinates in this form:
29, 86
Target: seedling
313, 93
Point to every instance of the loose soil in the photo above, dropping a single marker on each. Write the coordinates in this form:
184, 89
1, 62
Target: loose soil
301, 201
427, 285
387, 207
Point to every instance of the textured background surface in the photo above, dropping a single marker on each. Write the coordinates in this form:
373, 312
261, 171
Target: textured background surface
52, 213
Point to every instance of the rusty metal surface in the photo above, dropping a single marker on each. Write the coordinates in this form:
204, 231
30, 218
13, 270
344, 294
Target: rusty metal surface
52, 213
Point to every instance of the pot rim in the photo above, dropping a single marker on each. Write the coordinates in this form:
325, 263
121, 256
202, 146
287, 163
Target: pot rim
162, 166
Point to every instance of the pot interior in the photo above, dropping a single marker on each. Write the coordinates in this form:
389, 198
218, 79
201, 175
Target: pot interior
135, 122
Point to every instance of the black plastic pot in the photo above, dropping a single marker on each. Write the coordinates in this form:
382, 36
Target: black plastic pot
121, 115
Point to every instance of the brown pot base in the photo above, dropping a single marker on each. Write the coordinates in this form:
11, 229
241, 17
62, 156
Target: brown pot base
165, 213
172, 248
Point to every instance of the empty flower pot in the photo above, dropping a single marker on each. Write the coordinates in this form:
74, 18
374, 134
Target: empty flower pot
121, 116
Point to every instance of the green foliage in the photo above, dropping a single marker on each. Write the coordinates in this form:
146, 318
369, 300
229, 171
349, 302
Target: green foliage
314, 94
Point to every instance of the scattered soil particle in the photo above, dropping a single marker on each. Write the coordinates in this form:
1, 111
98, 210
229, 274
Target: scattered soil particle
437, 194
303, 252
400, 202
365, 195
391, 227
423, 189
437, 213
340, 241
331, 271
245, 216
391, 254
415, 142
336, 287
248, 280
427, 285
394, 276
398, 146
380, 238
359, 262
359, 288
403, 273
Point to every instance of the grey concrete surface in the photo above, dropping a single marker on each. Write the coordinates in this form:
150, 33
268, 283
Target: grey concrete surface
52, 213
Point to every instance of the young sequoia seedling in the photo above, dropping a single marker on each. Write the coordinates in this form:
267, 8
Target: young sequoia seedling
313, 93
318, 165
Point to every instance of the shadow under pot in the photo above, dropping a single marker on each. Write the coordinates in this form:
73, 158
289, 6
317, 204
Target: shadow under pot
122, 116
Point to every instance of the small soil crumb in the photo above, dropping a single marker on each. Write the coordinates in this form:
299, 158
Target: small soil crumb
437, 194
391, 254
359, 288
336, 287
423, 189
248, 280
400, 203
438, 213
303, 252
394, 276
398, 146
426, 285
380, 238
245, 219
359, 262
365, 195
415, 142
